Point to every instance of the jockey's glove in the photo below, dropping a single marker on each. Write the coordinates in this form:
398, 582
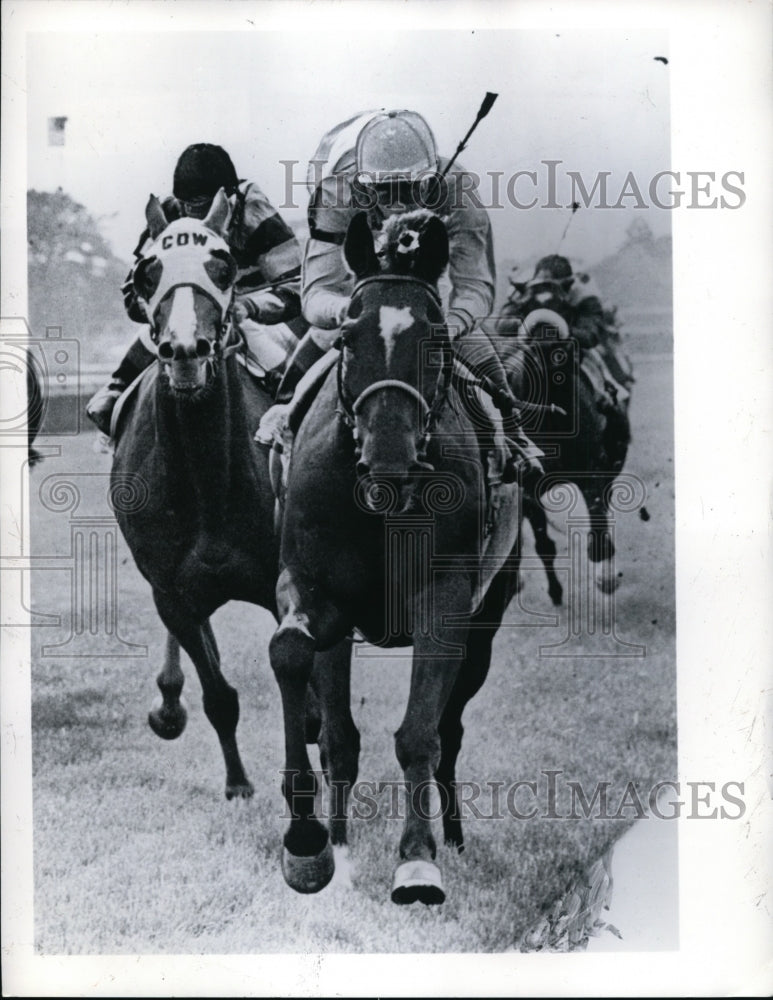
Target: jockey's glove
262, 307
504, 400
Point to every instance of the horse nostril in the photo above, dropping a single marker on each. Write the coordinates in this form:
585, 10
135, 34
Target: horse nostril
362, 468
165, 350
203, 347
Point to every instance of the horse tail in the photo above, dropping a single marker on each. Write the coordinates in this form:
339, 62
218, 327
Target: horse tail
34, 410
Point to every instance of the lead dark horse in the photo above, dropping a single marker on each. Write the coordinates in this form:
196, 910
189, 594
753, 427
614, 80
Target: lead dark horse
203, 532
585, 441
384, 533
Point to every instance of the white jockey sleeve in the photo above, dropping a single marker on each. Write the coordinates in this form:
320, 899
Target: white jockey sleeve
471, 266
327, 285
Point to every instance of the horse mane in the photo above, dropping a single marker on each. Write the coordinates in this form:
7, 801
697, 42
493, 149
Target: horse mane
410, 246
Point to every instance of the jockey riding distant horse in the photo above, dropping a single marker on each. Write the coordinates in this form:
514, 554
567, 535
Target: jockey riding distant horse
383, 532
583, 429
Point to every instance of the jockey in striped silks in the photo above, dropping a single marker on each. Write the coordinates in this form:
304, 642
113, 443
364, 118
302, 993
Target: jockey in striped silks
267, 255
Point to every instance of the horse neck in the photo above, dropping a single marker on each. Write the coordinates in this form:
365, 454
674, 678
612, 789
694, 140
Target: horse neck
204, 442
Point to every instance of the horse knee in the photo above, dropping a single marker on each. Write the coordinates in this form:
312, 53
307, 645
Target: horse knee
291, 651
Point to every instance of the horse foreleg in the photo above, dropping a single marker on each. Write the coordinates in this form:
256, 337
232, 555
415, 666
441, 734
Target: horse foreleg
307, 858
417, 742
221, 702
339, 743
601, 548
545, 546
471, 677
168, 719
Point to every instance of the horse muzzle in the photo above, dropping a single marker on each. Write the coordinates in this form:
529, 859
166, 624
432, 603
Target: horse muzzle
389, 491
187, 368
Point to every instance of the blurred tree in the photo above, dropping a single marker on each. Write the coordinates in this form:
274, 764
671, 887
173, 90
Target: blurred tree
74, 277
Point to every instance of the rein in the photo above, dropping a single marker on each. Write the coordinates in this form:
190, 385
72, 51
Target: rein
348, 409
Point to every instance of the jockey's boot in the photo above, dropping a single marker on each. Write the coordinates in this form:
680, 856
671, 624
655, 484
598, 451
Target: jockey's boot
528, 467
609, 390
487, 367
100, 407
272, 423
523, 461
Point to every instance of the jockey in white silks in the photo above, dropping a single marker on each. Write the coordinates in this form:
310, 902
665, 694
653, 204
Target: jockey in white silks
386, 162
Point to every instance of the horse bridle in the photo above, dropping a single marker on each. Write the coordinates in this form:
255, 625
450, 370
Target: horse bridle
348, 409
228, 339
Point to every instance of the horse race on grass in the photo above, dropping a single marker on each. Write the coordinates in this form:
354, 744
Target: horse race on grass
134, 852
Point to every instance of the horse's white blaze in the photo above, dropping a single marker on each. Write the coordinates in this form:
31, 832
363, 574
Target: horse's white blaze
393, 321
182, 321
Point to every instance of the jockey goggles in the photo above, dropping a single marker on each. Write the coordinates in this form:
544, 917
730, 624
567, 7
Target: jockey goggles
400, 194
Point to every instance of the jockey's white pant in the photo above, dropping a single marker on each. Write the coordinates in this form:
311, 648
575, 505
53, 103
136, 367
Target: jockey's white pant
324, 339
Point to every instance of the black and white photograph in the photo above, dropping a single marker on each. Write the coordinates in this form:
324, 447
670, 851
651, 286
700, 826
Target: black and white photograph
385, 456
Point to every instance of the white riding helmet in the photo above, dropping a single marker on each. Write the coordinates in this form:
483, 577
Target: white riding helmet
395, 145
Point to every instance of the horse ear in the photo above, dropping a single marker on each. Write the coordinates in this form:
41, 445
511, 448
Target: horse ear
359, 251
433, 249
146, 277
217, 216
154, 214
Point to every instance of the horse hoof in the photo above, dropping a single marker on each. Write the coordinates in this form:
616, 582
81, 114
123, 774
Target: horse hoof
418, 882
168, 723
308, 875
245, 790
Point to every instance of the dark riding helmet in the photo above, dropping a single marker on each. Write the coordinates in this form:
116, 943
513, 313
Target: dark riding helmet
201, 171
553, 269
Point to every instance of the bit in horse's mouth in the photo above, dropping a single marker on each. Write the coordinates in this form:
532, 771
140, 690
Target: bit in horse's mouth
186, 377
